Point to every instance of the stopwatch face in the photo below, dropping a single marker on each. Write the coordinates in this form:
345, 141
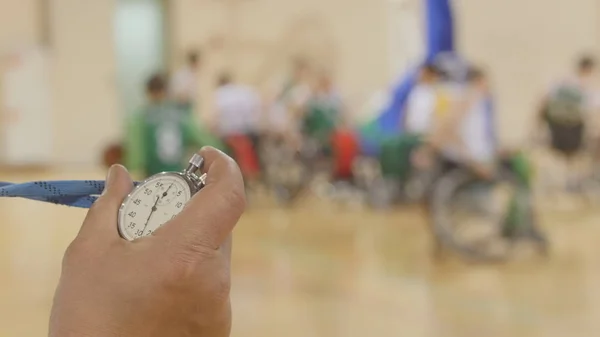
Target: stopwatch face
152, 203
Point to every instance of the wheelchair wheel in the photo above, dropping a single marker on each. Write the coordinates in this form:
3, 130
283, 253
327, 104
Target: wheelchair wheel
285, 172
475, 218
590, 185
420, 183
365, 172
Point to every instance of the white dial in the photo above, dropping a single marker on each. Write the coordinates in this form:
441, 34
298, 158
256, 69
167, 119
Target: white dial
153, 203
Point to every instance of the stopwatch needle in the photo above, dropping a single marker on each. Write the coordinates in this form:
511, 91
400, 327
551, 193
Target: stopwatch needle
167, 191
150, 216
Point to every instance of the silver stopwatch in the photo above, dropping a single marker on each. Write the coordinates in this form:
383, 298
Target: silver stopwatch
159, 199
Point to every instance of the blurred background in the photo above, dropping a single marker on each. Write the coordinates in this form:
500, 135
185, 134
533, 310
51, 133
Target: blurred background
413, 167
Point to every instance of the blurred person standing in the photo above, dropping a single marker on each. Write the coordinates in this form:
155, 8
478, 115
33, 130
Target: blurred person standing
238, 122
287, 106
161, 133
184, 84
323, 112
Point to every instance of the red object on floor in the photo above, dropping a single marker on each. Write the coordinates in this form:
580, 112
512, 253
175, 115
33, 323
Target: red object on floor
244, 154
346, 148
113, 154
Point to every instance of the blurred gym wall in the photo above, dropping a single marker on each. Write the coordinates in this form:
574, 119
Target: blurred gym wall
19, 22
524, 44
84, 73
18, 26
256, 39
82, 61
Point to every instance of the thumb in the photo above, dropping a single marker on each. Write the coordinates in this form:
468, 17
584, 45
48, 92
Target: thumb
101, 220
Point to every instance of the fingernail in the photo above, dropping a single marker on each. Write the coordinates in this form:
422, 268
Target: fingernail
108, 177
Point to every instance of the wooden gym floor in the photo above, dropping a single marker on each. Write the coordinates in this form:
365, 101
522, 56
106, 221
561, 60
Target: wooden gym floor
322, 270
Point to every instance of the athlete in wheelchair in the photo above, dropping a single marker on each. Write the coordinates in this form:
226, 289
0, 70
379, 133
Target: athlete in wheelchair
316, 150
238, 125
568, 126
281, 148
478, 200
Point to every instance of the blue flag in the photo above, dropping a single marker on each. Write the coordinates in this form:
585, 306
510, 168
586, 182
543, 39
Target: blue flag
440, 39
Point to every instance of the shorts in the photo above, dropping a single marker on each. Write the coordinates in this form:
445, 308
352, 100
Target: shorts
395, 156
567, 139
243, 151
345, 149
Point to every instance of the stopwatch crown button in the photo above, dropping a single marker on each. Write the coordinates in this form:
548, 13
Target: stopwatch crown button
196, 163
197, 160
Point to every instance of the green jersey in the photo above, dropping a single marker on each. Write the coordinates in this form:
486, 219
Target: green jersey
566, 105
161, 137
323, 114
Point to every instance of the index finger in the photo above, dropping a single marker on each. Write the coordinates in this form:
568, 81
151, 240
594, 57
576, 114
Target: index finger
212, 213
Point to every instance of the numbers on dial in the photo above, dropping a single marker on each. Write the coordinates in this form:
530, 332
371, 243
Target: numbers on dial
152, 204
168, 193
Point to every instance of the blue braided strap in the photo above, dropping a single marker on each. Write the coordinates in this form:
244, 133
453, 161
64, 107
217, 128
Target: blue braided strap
73, 193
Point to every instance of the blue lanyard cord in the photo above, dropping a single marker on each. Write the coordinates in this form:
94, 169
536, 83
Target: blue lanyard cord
73, 193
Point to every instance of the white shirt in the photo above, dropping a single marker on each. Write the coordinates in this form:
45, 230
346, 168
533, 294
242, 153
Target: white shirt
591, 94
184, 85
420, 109
591, 100
280, 118
474, 134
238, 109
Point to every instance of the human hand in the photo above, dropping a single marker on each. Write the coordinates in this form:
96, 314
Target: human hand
173, 283
423, 157
483, 171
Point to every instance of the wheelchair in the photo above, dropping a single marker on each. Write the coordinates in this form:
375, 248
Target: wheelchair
569, 154
482, 219
323, 167
388, 178
288, 171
